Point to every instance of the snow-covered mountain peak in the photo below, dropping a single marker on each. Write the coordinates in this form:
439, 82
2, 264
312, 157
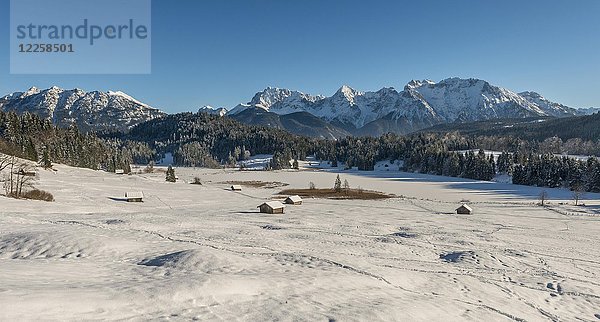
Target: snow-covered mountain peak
387, 91
88, 110
458, 84
530, 94
125, 96
418, 83
270, 96
31, 91
347, 93
462, 81
457, 99
278, 100
549, 107
212, 110
422, 103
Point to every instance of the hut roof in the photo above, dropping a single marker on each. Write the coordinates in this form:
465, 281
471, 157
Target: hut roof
465, 206
134, 195
273, 205
295, 198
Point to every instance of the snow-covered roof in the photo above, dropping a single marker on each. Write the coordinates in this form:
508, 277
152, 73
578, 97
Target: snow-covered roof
236, 187
466, 207
273, 205
295, 198
134, 195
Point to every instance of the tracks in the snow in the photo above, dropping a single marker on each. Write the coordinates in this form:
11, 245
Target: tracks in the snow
271, 253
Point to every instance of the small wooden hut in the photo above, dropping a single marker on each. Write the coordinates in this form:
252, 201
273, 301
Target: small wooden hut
272, 207
464, 210
236, 187
24, 173
134, 196
293, 200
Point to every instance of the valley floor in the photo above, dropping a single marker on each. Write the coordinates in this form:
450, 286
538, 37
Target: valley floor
203, 252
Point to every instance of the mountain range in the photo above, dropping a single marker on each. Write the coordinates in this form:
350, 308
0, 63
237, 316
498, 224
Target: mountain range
421, 104
90, 111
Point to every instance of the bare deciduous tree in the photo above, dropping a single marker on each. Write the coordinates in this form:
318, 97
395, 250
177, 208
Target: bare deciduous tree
18, 178
5, 161
346, 186
543, 197
577, 194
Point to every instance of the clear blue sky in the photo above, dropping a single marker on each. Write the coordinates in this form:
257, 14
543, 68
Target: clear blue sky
221, 52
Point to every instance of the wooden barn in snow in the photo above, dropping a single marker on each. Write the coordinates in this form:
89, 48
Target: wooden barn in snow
272, 207
464, 210
236, 187
293, 200
134, 196
26, 173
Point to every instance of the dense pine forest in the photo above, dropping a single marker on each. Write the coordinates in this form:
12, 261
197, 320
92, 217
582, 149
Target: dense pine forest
212, 141
570, 135
31, 137
455, 155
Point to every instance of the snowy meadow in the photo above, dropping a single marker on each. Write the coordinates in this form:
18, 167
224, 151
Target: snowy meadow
204, 252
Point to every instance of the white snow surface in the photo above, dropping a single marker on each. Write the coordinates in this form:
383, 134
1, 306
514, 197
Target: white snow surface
256, 162
200, 252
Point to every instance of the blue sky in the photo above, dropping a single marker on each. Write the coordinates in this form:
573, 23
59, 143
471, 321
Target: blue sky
221, 52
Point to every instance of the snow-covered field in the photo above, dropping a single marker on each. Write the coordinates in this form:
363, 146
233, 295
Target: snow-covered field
203, 252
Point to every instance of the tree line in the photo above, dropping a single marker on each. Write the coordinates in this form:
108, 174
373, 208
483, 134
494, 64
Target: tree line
33, 138
205, 140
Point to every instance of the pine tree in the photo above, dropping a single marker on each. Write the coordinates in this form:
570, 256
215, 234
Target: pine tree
503, 163
276, 161
338, 184
348, 165
231, 160
171, 175
30, 152
150, 167
45, 162
334, 163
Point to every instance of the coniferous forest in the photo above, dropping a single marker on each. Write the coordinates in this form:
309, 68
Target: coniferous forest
211, 141
31, 137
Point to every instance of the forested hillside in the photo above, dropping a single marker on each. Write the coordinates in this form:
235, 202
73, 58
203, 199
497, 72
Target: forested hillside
31, 137
212, 141
208, 140
573, 135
